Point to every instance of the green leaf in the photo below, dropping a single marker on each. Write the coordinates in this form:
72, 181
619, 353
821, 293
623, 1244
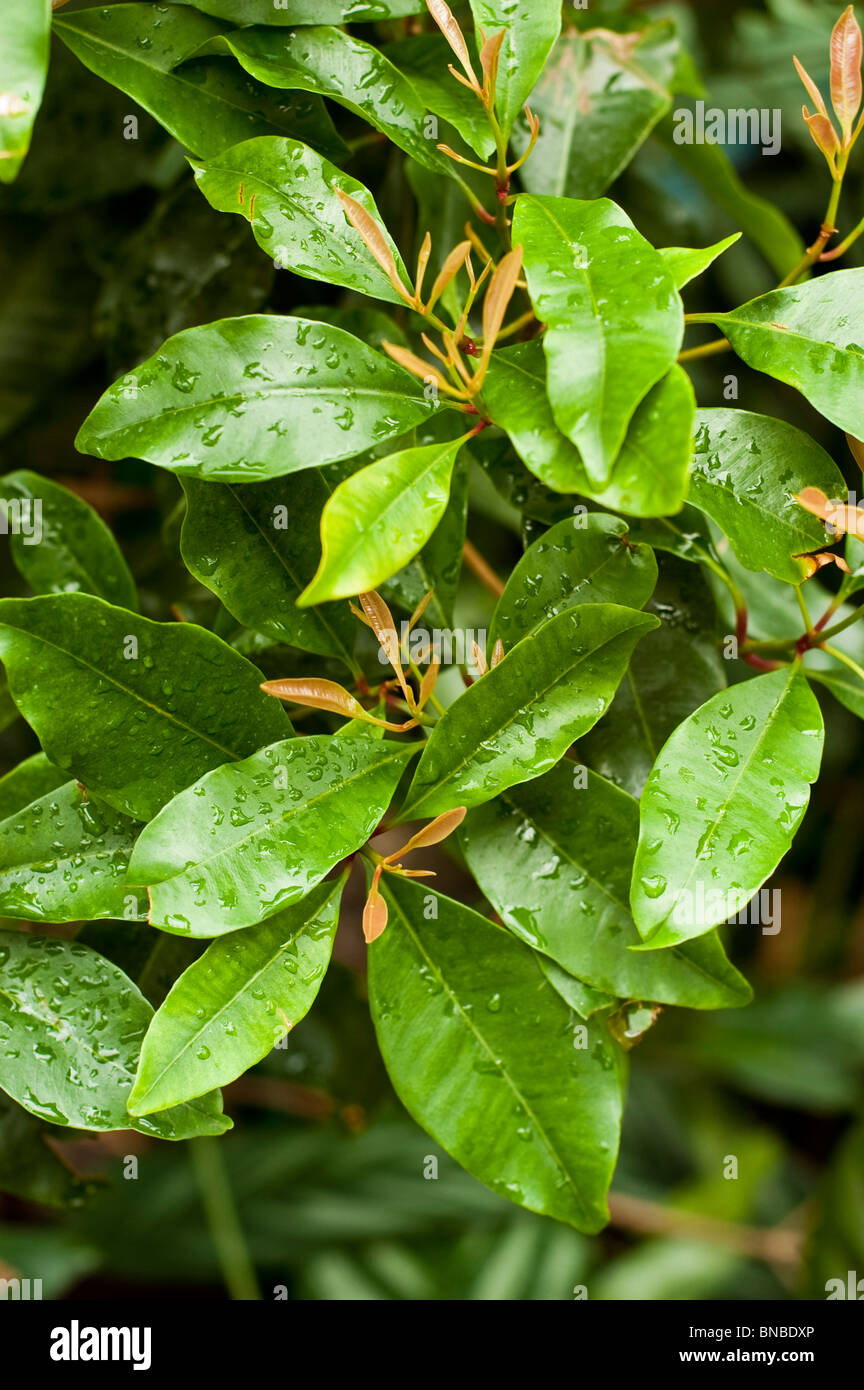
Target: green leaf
521, 717
614, 318
256, 546
207, 106
134, 728
808, 336
766, 226
531, 31
63, 858
845, 686
249, 840
333, 64
29, 1167
72, 549
488, 1058
723, 803
71, 1024
308, 11
671, 673
598, 98
583, 559
685, 263
379, 518
250, 398
581, 998
746, 471
424, 59
28, 781
233, 1005
554, 858
287, 192
24, 43
649, 476
439, 565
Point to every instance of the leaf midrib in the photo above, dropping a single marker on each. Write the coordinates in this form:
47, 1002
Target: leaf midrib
241, 990
557, 1159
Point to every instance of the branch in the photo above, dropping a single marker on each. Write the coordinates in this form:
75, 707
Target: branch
781, 1245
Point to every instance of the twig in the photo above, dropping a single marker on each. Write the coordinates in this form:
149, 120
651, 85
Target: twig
781, 1245
484, 572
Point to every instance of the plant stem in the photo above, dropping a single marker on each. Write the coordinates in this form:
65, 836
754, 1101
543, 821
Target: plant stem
846, 622
808, 624
776, 1245
483, 571
844, 244
846, 660
826, 231
706, 350
223, 1221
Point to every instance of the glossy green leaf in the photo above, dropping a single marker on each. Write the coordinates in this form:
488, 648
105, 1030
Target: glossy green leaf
256, 546
135, 709
485, 1055
671, 673
71, 1025
587, 558
521, 717
583, 999
249, 840
439, 565
379, 518
844, 685
649, 476
25, 28
808, 336
308, 11
245, 399
334, 64
424, 59
27, 782
598, 98
554, 858
746, 471
71, 549
765, 225
205, 105
64, 857
531, 31
723, 803
236, 1001
686, 263
287, 192
614, 318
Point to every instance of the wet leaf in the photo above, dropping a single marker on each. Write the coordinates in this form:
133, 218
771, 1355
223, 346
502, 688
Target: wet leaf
24, 42
722, 805
249, 840
256, 546
530, 34
134, 728
246, 399
235, 1002
746, 471
584, 559
206, 105
72, 1026
614, 318
71, 549
378, 519
808, 336
27, 782
334, 64
522, 716
649, 476
554, 858
686, 263
63, 858
288, 194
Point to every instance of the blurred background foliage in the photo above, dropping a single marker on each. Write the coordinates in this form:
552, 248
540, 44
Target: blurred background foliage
106, 248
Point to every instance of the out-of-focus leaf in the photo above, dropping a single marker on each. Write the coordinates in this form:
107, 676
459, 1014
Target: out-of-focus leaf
24, 34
